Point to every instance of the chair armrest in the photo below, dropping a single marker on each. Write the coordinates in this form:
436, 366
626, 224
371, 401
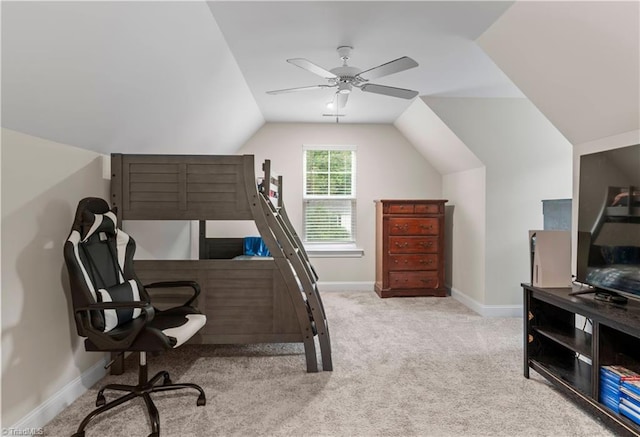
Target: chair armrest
178, 284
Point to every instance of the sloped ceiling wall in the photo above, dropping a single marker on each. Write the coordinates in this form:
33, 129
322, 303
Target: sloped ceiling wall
435, 140
578, 62
137, 77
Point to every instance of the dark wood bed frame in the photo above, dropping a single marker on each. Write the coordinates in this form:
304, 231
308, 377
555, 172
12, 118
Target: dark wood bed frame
262, 300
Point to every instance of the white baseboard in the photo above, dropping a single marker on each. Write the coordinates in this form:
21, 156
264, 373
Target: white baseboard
487, 310
345, 286
53, 406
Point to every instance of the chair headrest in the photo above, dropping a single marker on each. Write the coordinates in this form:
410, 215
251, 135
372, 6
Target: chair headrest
106, 223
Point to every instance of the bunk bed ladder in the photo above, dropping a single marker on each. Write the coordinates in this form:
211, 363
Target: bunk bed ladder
307, 280
298, 301
309, 286
286, 235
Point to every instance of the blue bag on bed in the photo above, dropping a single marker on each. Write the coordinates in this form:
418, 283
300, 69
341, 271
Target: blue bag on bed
254, 246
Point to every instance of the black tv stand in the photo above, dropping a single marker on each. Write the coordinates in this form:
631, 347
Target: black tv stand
569, 357
603, 295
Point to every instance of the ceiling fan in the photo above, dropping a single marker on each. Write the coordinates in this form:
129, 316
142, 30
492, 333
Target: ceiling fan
345, 78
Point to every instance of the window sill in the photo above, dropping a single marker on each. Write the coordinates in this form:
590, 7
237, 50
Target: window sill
333, 251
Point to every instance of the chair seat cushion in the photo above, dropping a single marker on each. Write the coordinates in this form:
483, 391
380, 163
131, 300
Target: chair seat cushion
168, 329
193, 323
179, 323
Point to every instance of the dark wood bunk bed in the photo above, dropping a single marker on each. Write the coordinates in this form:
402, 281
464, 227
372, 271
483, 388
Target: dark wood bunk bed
260, 300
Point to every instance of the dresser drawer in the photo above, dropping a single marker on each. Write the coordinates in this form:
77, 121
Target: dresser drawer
400, 208
413, 245
426, 209
413, 226
413, 279
413, 262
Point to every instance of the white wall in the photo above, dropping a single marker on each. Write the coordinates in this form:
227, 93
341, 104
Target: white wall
160, 239
388, 167
42, 355
466, 191
527, 160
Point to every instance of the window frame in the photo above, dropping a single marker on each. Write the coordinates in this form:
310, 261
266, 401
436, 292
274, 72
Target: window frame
335, 247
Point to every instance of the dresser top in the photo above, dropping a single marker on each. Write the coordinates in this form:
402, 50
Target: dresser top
412, 200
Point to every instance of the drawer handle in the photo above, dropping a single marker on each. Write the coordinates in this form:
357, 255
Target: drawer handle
426, 244
423, 226
404, 227
426, 261
405, 244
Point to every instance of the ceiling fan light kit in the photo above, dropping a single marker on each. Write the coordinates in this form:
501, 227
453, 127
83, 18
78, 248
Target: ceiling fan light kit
346, 77
344, 88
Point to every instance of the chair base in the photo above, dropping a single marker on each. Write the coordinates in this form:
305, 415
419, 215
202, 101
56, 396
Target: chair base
143, 390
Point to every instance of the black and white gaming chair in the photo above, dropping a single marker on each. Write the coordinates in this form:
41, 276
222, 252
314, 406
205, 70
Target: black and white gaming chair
113, 310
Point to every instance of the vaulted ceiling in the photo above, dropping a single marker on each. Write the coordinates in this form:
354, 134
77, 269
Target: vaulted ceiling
439, 36
192, 76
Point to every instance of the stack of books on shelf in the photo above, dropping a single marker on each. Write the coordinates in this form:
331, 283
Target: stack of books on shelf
630, 400
620, 391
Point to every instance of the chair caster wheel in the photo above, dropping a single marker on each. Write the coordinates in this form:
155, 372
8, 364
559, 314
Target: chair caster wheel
154, 434
100, 400
78, 434
167, 380
201, 401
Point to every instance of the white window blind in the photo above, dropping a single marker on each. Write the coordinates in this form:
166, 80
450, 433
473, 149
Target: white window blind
329, 202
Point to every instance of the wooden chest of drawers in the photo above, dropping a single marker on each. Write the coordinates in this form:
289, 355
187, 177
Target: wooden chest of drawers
410, 248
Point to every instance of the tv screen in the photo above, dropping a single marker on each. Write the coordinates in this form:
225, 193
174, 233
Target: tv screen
608, 250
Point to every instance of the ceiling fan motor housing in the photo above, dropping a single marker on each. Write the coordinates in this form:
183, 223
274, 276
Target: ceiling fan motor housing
347, 75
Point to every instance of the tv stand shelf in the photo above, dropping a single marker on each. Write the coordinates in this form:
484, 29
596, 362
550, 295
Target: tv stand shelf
577, 340
570, 357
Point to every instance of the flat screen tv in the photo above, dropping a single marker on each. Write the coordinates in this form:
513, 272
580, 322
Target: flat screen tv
608, 250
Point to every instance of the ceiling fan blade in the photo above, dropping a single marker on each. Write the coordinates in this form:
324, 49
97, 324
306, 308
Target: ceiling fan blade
310, 66
342, 100
304, 88
391, 67
389, 91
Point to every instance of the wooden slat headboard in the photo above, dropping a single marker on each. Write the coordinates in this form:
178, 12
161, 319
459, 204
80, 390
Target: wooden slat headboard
182, 187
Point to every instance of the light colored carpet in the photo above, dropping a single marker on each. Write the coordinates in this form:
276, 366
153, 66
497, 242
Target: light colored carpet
402, 367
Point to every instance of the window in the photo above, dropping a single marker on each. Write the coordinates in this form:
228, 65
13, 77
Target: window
329, 199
